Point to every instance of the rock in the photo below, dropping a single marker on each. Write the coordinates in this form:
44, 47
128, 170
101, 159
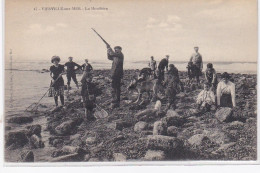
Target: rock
94, 159
119, 157
173, 119
27, 156
147, 112
197, 139
224, 114
118, 138
119, 125
36, 142
217, 136
17, 139
193, 112
56, 109
172, 131
70, 157
86, 157
236, 125
159, 128
57, 142
146, 132
154, 155
34, 129
164, 143
20, 120
91, 140
140, 126
251, 120
224, 147
72, 149
66, 127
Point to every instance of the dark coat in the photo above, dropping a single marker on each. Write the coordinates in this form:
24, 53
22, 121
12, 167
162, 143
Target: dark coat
117, 65
163, 64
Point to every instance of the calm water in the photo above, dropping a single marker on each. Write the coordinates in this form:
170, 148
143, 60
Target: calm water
24, 85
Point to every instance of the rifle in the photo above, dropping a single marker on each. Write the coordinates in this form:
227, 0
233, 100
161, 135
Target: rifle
101, 37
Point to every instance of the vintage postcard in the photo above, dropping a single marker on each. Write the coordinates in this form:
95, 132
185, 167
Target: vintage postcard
130, 82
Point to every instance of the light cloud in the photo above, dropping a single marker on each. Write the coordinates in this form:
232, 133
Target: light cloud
169, 23
39, 29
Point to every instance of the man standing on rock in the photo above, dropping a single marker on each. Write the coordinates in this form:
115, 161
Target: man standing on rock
196, 59
152, 64
71, 72
162, 65
116, 73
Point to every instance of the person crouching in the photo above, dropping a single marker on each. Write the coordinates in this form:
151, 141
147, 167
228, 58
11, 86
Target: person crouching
206, 99
88, 97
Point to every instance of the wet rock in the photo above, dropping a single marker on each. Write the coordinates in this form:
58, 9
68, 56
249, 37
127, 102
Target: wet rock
34, 129
27, 156
224, 114
20, 120
56, 109
119, 157
147, 112
172, 131
154, 155
224, 147
164, 143
193, 112
66, 127
197, 139
36, 142
17, 139
140, 126
251, 120
159, 128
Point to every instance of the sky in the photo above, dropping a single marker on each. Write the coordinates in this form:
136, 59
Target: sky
224, 30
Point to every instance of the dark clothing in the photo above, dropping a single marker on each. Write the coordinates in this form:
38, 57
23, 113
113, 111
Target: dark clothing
116, 89
71, 67
226, 100
173, 86
190, 68
57, 88
73, 76
197, 73
56, 71
211, 76
163, 64
118, 61
145, 73
86, 67
88, 95
116, 73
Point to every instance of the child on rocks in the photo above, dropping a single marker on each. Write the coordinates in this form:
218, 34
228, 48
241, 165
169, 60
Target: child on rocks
88, 97
206, 98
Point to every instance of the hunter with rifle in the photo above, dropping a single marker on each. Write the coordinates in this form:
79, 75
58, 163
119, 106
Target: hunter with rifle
116, 71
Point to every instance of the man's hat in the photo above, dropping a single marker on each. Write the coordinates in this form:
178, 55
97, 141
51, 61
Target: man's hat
118, 47
167, 55
71, 57
55, 58
196, 46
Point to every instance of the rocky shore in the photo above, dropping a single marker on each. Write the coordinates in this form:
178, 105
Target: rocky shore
59, 135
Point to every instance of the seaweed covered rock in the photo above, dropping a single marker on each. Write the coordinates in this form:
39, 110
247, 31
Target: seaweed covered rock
16, 139
27, 156
159, 128
20, 120
140, 126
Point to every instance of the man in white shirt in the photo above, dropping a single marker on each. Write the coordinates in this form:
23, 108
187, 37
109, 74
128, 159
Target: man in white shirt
152, 64
226, 94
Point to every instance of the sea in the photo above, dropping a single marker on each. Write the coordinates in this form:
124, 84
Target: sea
25, 84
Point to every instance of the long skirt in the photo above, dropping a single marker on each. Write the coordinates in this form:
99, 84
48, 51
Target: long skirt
226, 100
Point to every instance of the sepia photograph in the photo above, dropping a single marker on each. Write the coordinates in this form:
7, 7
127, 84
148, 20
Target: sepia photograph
132, 82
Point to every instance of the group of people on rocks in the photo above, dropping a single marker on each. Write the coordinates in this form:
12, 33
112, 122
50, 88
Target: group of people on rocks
225, 89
